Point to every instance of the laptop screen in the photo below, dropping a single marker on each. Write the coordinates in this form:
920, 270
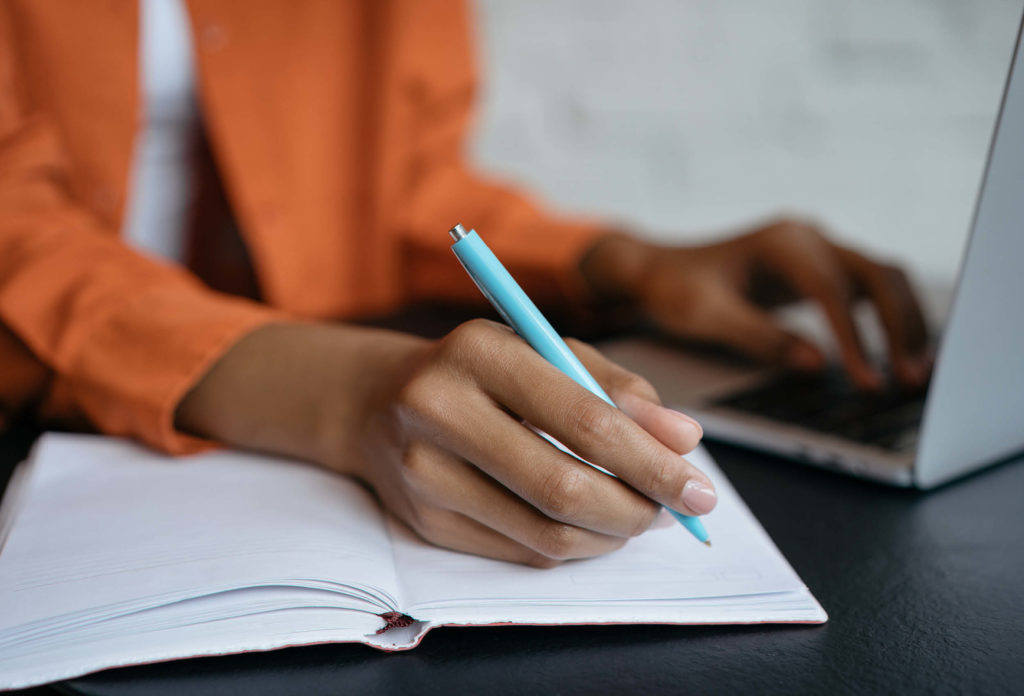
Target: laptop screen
975, 409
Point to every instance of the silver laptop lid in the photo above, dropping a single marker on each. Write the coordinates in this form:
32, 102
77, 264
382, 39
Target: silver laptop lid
975, 409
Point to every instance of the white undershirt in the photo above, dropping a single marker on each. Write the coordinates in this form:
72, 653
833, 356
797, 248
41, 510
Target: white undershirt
161, 191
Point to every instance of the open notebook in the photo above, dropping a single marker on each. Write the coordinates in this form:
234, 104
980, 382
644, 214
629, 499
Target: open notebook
114, 555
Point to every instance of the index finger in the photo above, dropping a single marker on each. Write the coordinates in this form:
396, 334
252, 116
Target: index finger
601, 434
899, 311
814, 268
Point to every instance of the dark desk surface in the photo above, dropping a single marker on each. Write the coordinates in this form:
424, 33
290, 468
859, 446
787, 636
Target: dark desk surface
924, 591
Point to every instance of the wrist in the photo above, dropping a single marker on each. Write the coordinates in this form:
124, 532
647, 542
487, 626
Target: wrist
298, 390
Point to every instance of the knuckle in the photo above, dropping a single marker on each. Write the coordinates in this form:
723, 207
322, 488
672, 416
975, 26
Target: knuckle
475, 337
426, 522
415, 467
664, 477
416, 393
419, 402
694, 312
645, 518
558, 540
564, 493
795, 224
593, 420
478, 347
794, 230
633, 383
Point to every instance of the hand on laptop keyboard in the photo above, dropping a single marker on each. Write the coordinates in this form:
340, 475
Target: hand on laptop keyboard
721, 292
828, 403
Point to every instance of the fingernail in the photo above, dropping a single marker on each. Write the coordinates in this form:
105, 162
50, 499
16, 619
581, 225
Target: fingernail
699, 497
688, 423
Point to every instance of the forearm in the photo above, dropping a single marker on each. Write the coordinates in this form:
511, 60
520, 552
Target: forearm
305, 390
300, 390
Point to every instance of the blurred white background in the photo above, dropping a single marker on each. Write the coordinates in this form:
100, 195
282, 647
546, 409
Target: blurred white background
692, 118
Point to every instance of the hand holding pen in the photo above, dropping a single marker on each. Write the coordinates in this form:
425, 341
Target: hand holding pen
435, 429
494, 281
471, 477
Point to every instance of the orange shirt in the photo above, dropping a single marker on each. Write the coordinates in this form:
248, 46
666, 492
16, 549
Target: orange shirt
338, 128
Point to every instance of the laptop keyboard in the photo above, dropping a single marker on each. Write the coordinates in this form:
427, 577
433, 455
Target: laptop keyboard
828, 403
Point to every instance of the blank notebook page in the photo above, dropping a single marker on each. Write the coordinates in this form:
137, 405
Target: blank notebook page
663, 564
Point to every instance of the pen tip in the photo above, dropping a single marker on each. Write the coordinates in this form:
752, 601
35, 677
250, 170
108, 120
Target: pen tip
708, 543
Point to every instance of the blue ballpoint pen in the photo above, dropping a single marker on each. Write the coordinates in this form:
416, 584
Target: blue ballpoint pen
521, 314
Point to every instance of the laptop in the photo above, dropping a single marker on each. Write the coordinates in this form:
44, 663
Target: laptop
970, 415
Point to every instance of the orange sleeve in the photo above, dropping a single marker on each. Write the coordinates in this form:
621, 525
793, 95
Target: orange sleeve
541, 250
122, 337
